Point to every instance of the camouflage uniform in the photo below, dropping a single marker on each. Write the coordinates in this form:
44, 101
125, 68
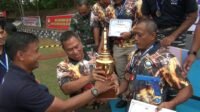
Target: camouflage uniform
71, 70
155, 75
82, 26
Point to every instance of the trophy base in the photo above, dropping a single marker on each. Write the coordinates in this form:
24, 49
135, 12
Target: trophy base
110, 94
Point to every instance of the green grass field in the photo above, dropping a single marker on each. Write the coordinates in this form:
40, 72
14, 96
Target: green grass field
46, 73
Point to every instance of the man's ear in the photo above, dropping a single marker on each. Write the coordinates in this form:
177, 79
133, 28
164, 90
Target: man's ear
154, 34
20, 55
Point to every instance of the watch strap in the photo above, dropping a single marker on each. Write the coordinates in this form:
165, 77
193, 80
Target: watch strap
192, 52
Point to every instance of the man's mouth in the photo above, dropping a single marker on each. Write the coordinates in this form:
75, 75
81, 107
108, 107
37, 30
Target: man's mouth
78, 56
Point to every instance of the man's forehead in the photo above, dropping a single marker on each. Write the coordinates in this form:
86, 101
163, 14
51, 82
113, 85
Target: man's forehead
83, 9
138, 29
72, 41
141, 26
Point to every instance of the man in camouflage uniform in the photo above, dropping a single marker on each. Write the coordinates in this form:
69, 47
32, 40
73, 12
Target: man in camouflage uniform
81, 24
76, 74
153, 72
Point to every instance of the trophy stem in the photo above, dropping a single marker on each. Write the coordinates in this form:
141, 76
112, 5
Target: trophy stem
105, 49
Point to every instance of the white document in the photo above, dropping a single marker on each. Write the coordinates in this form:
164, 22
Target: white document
138, 106
118, 26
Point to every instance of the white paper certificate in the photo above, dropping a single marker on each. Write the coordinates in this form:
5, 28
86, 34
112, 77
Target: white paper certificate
118, 26
138, 106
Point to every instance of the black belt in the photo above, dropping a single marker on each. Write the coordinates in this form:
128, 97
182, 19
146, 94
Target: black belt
167, 29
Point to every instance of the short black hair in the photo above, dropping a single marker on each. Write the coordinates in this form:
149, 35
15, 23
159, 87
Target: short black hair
10, 28
18, 41
2, 22
83, 2
68, 35
7, 26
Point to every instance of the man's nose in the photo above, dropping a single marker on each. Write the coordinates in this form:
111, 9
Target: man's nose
1, 36
136, 37
75, 51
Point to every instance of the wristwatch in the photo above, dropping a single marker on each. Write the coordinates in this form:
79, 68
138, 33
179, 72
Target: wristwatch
94, 92
192, 52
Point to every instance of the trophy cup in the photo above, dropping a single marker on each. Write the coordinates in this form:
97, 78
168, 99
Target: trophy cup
105, 61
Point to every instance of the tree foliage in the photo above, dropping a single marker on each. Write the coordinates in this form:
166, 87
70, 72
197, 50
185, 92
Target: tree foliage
42, 4
19, 6
8, 5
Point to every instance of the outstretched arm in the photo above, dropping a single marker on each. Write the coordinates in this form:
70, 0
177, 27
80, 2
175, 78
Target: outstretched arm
194, 49
76, 85
59, 105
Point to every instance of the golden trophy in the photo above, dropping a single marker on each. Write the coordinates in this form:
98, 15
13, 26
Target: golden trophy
105, 61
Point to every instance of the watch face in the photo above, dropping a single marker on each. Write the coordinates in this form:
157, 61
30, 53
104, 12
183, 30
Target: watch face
95, 92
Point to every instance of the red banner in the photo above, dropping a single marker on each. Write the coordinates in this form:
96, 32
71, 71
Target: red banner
2, 13
60, 22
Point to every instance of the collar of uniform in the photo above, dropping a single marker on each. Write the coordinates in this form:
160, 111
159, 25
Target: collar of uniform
22, 72
156, 46
3, 52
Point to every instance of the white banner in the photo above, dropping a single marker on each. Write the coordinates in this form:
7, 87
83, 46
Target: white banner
31, 21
